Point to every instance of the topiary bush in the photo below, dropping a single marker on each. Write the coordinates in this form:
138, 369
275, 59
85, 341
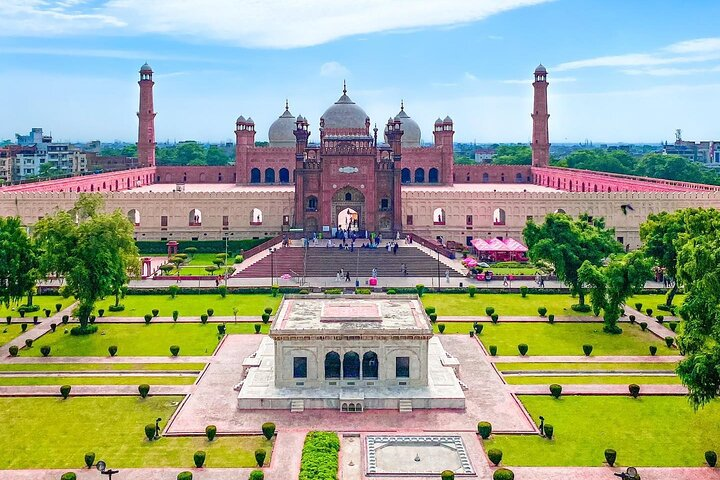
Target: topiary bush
523, 349
634, 390
150, 431
89, 459
256, 475
45, 350
65, 391
447, 475
471, 290
638, 307
8, 319
184, 476
148, 318
58, 306
493, 350
420, 289
433, 317
23, 327
203, 318
173, 290
116, 308
503, 474
478, 327
669, 341
653, 350
265, 318
484, 429
495, 456
441, 327
53, 327
223, 291
660, 319
257, 327
429, 310
320, 456
489, 311
112, 350
210, 312
65, 319
199, 458
155, 312
268, 430
210, 432
587, 349
673, 326
268, 310
542, 311
28, 342
91, 319
13, 350
101, 312
632, 319
68, 476
175, 315
221, 329
548, 430
643, 326
524, 291
649, 312
494, 317
260, 455
711, 458
555, 390
47, 312
610, 456
174, 350
144, 389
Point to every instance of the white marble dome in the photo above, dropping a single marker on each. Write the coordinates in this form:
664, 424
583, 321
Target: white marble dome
411, 130
344, 114
280, 133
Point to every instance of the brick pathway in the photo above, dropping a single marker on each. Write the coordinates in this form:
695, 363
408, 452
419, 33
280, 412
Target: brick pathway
660, 330
91, 390
37, 331
606, 473
213, 319
584, 359
589, 389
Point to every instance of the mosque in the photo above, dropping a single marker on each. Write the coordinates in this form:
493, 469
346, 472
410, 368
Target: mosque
360, 176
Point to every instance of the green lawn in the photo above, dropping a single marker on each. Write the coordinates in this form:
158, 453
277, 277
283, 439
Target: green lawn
593, 379
563, 338
195, 270
8, 332
647, 431
55, 433
45, 301
98, 380
584, 366
192, 305
652, 301
137, 340
83, 367
512, 304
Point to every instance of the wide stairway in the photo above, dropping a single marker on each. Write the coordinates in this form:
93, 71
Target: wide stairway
288, 260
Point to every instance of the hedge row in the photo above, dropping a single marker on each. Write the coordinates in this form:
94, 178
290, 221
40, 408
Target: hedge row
320, 456
149, 247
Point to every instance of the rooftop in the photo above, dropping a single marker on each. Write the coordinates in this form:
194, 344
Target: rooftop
214, 187
481, 187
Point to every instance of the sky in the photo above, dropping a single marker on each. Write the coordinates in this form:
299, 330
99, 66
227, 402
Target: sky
619, 71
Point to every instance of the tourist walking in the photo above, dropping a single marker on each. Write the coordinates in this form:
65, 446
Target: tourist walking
337, 276
395, 248
347, 276
505, 281
447, 275
374, 272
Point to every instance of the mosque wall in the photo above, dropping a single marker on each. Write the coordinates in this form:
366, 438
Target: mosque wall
100, 182
195, 174
492, 174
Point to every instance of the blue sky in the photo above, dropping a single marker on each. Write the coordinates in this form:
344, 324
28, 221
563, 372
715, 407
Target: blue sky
618, 70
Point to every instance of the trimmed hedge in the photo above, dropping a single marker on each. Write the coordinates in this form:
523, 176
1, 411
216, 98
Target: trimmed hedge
555, 390
503, 474
184, 476
204, 246
484, 429
711, 458
268, 430
68, 476
610, 456
495, 456
320, 456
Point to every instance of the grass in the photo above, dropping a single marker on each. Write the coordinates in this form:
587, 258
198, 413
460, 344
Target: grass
55, 433
98, 380
192, 305
45, 301
511, 304
8, 332
563, 338
652, 301
584, 366
594, 379
138, 340
84, 367
644, 432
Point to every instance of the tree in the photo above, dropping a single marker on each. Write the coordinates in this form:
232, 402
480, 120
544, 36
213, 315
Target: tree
190, 153
568, 243
612, 284
215, 156
18, 262
512, 155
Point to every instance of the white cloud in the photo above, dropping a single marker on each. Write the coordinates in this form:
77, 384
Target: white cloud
334, 69
247, 23
470, 77
670, 71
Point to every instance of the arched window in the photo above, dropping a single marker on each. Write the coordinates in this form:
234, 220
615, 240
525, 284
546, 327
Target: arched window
439, 216
560, 210
518, 178
269, 175
134, 217
284, 175
332, 365
348, 197
312, 203
499, 216
405, 175
433, 175
255, 175
195, 218
419, 175
370, 365
256, 217
486, 178
351, 365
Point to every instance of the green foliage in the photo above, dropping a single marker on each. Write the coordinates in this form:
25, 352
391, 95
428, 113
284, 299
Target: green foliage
221, 329
260, 455
28, 342
524, 291
493, 350
148, 318
268, 430
433, 317
175, 315
45, 350
223, 291
503, 474
65, 319
238, 259
265, 317
19, 263
68, 476
23, 327
649, 312
210, 312
199, 458
320, 456
174, 350
660, 233
711, 458
112, 350
420, 289
58, 306
551, 318
634, 390
65, 391
256, 475
89, 459
489, 311
471, 290
152, 247
101, 312
150, 431
210, 432
542, 311
673, 326
143, 389
494, 317
523, 349
587, 349
653, 350
512, 155
116, 308
447, 475
669, 341
555, 390
173, 290
441, 327
484, 429
80, 331
203, 318
610, 456
632, 319
257, 327
643, 326
185, 476
548, 430
13, 350
478, 327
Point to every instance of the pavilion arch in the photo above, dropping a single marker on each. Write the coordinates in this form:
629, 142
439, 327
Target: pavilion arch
560, 210
351, 365
332, 365
439, 216
486, 178
284, 175
499, 216
405, 177
433, 175
370, 365
419, 175
203, 177
269, 175
255, 175
518, 178
256, 217
134, 217
195, 218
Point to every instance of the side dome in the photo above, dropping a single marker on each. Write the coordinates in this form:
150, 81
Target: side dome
280, 133
540, 69
344, 114
411, 130
146, 68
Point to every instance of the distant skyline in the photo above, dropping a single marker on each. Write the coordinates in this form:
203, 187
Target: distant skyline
619, 71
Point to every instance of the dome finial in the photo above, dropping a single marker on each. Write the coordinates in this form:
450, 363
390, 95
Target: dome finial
287, 105
402, 105
344, 88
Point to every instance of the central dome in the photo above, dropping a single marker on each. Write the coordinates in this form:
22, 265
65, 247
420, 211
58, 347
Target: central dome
281, 130
344, 114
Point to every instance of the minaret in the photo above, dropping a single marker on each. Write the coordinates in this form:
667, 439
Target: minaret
146, 116
540, 136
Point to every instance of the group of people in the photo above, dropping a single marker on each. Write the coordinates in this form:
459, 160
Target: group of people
342, 274
540, 280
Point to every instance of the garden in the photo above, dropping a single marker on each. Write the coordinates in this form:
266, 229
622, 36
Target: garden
188, 305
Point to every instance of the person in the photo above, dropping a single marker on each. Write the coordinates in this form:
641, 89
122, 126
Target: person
337, 276
505, 281
397, 235
352, 247
542, 281
510, 279
447, 275
347, 276
537, 278
395, 248
388, 247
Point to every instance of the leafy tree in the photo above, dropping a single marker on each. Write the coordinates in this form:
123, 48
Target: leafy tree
568, 243
612, 284
512, 155
191, 153
18, 262
215, 156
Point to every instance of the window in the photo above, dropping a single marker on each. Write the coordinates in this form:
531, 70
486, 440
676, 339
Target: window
299, 367
409, 220
163, 221
402, 367
332, 365
286, 220
384, 204
433, 175
419, 175
226, 220
405, 178
348, 197
468, 220
255, 175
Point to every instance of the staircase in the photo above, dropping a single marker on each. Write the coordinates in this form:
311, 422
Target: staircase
297, 406
284, 261
405, 406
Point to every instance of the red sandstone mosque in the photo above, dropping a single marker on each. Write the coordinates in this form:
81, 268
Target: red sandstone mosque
358, 176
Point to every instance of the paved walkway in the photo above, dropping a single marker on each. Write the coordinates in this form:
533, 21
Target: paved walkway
657, 328
590, 389
584, 359
520, 319
37, 331
108, 359
213, 319
91, 390
606, 473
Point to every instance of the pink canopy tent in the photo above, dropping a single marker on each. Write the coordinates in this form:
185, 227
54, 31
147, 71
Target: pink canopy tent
500, 250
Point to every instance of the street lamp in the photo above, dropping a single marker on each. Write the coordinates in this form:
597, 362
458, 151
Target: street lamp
438, 267
102, 468
226, 261
272, 267
157, 427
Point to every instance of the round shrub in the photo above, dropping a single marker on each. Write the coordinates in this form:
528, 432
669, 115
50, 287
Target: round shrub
53, 327
610, 456
268, 429
478, 327
265, 317
584, 308
65, 391
91, 319
555, 390
116, 308
673, 326
148, 317
548, 430
184, 476
268, 310
447, 475
503, 474
256, 475
489, 311
150, 431
210, 312
29, 342
542, 311
199, 458
484, 429
112, 350
13, 350
638, 307
649, 312
68, 476
495, 456
210, 432
660, 319
175, 315
65, 319
89, 459
58, 306
494, 317
390, 291
634, 390
433, 317
257, 327
174, 350
45, 350
221, 329
551, 318
78, 331
653, 350
47, 312
260, 455
493, 350
144, 389
711, 458
23, 327
643, 326
587, 349
471, 290
420, 289
204, 318
523, 291
441, 327
523, 349
101, 312
669, 341
223, 291
632, 319
155, 312
8, 319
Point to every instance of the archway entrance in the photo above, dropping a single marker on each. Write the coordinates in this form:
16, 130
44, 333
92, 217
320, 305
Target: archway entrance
348, 219
347, 208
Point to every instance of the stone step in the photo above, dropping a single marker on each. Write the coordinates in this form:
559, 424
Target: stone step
405, 406
297, 406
